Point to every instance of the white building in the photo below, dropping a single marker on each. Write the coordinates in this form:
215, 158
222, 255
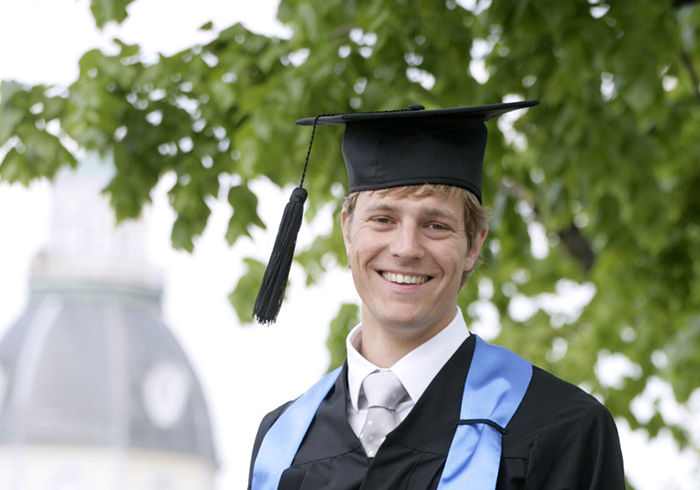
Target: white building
95, 392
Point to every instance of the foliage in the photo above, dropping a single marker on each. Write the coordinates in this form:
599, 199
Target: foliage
339, 330
606, 168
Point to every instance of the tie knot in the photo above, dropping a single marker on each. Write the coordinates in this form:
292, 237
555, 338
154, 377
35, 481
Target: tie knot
383, 389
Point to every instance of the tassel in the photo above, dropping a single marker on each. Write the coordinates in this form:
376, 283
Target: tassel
274, 284
269, 300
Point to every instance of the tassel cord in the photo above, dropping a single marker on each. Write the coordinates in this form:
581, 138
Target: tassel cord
308, 153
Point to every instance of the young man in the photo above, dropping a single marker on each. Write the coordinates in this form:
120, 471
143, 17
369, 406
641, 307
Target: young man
421, 403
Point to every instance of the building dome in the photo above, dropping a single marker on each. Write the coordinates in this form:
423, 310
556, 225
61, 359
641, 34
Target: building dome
95, 365
90, 370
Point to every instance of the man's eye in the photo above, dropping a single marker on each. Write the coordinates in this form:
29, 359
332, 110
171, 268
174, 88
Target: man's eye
382, 220
437, 226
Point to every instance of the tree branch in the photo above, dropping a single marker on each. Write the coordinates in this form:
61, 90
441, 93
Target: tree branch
578, 246
573, 240
688, 63
681, 3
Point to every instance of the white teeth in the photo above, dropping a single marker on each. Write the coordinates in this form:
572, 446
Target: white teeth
404, 279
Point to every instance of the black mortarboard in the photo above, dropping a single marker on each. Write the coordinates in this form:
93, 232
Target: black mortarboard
415, 146
389, 149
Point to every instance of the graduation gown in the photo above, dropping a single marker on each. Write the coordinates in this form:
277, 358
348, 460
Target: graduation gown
559, 438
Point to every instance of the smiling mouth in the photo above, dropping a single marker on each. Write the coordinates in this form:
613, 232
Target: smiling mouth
404, 278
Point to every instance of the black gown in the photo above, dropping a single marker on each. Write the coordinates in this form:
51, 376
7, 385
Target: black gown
559, 438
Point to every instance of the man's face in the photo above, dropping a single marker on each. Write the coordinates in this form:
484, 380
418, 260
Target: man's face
407, 256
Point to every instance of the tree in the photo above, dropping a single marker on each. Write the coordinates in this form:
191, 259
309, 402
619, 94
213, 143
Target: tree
604, 171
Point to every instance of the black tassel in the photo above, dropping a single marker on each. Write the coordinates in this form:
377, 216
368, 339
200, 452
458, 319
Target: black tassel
269, 300
271, 294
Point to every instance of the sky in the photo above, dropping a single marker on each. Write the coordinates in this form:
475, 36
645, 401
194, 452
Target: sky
244, 371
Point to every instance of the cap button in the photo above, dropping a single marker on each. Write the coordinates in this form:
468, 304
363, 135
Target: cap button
415, 107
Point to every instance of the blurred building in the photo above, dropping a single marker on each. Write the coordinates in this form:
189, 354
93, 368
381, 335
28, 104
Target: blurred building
95, 392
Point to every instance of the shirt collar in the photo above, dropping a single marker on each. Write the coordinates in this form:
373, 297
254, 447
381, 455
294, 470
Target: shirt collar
416, 369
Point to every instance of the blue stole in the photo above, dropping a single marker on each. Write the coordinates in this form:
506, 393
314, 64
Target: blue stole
495, 386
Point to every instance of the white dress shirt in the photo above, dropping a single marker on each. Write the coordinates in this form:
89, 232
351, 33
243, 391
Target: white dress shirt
415, 370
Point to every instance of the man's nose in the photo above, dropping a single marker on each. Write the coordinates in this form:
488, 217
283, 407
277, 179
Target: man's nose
407, 243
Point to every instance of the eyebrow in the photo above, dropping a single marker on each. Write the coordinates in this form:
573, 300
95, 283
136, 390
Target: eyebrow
441, 213
384, 207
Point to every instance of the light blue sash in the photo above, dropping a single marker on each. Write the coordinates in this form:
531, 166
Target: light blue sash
495, 386
282, 441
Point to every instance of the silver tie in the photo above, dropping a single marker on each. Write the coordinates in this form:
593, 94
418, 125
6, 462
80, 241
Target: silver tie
384, 392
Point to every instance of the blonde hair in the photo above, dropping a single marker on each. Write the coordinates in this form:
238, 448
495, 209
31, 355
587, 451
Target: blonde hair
476, 216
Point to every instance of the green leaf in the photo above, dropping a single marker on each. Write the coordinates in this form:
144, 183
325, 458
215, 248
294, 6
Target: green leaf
9, 119
181, 235
348, 316
242, 298
307, 19
13, 168
245, 213
105, 11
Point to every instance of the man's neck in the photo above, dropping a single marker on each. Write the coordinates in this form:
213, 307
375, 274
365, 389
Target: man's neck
384, 347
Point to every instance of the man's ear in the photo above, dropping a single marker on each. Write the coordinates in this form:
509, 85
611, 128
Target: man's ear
473, 254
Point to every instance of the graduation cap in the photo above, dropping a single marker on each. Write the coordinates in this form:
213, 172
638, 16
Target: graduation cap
383, 150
